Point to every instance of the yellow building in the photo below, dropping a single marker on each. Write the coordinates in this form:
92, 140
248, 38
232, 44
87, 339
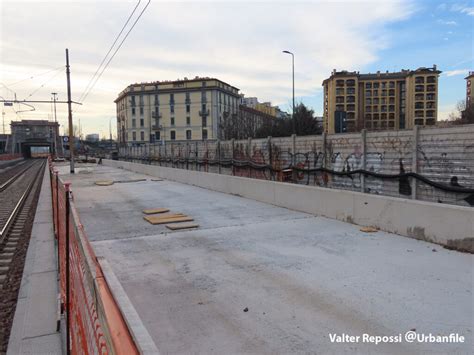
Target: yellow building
174, 110
266, 107
380, 101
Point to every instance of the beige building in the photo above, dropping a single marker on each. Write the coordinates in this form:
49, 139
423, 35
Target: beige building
470, 89
380, 101
189, 109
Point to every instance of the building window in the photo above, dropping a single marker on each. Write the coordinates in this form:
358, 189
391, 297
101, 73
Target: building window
157, 136
134, 123
204, 134
142, 122
133, 111
141, 111
188, 108
171, 99
188, 97
203, 108
173, 135
204, 83
172, 109
368, 85
204, 121
172, 121
142, 136
188, 134
134, 136
156, 100
188, 120
141, 100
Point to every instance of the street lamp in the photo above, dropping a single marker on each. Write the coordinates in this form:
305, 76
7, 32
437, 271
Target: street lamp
293, 69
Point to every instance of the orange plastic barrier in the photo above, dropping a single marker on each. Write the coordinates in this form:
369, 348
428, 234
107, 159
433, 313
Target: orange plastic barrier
95, 323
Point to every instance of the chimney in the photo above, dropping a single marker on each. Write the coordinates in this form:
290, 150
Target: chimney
434, 66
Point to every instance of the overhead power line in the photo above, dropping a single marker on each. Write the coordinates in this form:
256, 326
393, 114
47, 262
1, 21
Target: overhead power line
35, 76
110, 49
47, 81
116, 50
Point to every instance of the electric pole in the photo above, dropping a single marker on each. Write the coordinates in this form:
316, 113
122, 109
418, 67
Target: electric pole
69, 105
55, 126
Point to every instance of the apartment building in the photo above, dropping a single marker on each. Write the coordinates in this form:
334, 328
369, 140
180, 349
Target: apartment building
380, 101
469, 89
160, 111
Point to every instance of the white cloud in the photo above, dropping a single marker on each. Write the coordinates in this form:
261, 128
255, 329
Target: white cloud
448, 23
464, 9
238, 42
456, 72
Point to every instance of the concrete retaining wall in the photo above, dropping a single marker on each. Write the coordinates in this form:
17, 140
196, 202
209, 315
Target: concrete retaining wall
448, 225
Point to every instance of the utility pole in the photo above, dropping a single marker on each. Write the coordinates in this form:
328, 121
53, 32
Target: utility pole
69, 105
55, 123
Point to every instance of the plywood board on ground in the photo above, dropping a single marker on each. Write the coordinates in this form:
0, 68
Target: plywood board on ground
184, 225
155, 210
104, 183
155, 220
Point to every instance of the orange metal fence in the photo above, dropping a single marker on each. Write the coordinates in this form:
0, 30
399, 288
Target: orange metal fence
95, 324
9, 156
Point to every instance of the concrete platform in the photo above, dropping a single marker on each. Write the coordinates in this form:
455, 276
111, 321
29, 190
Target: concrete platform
34, 323
255, 278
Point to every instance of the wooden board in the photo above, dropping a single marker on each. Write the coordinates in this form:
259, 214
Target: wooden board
155, 220
104, 183
167, 215
369, 229
155, 210
184, 225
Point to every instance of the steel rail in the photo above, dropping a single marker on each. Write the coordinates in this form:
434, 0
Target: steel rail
18, 206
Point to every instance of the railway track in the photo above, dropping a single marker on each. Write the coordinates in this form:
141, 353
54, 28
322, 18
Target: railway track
18, 200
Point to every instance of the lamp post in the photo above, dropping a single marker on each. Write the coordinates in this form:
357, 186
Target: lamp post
293, 70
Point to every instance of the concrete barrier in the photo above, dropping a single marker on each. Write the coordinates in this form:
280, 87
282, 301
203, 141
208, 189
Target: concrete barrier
448, 225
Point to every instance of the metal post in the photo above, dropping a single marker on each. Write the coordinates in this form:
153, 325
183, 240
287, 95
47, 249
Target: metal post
69, 104
270, 157
249, 159
55, 148
67, 249
187, 155
325, 149
233, 155
293, 157
219, 155
414, 160
363, 138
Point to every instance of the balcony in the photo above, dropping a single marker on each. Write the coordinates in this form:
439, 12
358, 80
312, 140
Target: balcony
419, 88
419, 80
155, 115
350, 91
391, 92
419, 105
204, 113
156, 127
431, 79
339, 83
350, 99
431, 104
339, 91
431, 88
350, 82
419, 97
340, 99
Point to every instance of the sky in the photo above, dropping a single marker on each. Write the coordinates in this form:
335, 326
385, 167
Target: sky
239, 42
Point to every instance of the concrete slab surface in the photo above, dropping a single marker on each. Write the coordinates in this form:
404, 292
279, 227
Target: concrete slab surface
300, 277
